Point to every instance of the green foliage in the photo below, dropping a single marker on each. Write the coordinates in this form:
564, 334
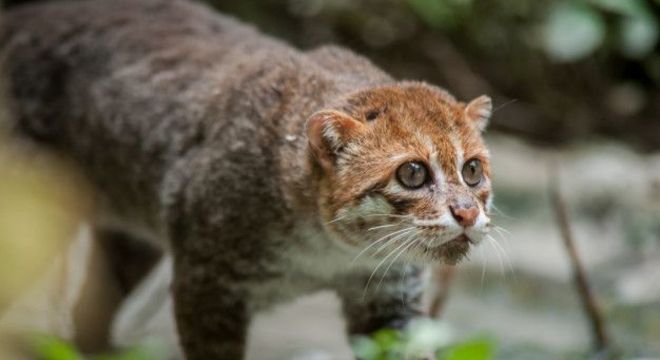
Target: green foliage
571, 30
423, 337
130, 354
383, 345
46, 347
50, 348
576, 29
441, 14
478, 349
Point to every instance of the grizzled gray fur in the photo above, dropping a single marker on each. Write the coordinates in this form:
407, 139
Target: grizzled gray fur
191, 126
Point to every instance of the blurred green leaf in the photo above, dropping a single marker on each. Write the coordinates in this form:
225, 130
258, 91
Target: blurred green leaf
625, 7
427, 336
148, 349
365, 348
639, 34
573, 31
390, 343
421, 337
440, 13
130, 354
471, 350
386, 337
50, 348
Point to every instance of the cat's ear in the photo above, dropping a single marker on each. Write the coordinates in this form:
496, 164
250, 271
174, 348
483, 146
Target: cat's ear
328, 132
479, 110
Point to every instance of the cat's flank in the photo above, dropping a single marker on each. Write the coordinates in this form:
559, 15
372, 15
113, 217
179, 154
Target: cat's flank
267, 172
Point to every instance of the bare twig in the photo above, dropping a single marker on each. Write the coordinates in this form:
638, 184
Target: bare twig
599, 332
443, 276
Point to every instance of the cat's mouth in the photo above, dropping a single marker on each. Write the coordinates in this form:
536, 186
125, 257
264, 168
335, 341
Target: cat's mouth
452, 251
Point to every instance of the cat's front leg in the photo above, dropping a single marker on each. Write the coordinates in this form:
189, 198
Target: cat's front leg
389, 301
211, 311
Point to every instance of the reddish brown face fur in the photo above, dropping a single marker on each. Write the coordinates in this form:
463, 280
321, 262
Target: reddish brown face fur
363, 142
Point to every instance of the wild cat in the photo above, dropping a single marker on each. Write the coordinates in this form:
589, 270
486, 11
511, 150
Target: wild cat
267, 172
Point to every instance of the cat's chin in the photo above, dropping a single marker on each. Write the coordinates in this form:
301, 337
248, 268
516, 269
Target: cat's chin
451, 252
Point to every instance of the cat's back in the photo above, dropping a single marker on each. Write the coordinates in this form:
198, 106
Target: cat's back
63, 56
143, 26
129, 86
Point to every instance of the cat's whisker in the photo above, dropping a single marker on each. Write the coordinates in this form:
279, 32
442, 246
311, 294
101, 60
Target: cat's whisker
502, 236
502, 232
484, 262
390, 241
410, 240
339, 218
501, 213
379, 265
389, 215
383, 226
505, 104
411, 236
497, 253
499, 228
379, 240
504, 253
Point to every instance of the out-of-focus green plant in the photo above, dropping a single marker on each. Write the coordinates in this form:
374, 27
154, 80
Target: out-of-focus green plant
47, 347
572, 30
480, 349
421, 338
576, 28
441, 14
50, 348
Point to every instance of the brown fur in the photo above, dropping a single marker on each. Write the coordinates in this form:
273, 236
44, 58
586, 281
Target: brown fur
255, 164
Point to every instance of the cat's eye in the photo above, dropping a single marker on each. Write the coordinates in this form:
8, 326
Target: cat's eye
412, 174
472, 172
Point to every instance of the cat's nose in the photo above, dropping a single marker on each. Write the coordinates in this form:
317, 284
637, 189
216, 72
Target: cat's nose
466, 216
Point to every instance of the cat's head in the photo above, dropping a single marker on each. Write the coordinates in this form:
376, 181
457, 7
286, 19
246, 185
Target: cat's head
405, 171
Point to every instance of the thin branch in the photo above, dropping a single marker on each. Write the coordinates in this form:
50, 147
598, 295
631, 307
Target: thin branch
595, 316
